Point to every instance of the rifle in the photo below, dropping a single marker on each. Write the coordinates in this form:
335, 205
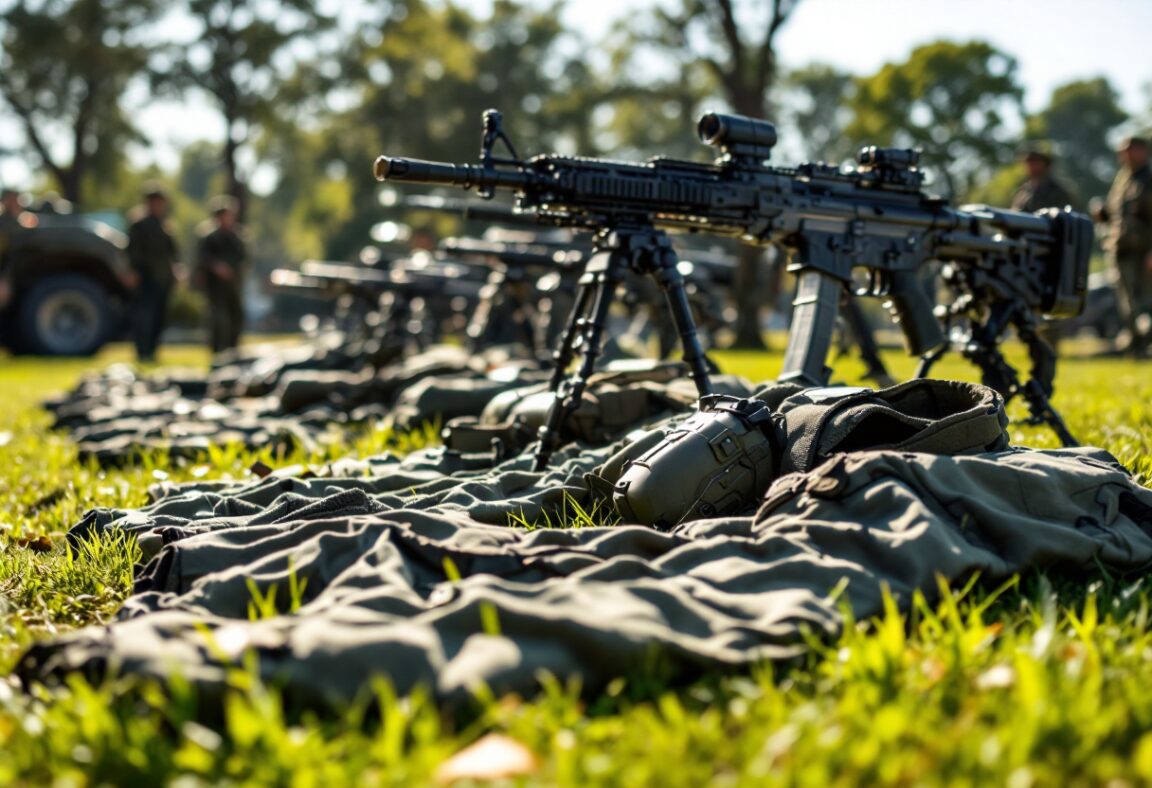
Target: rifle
390, 292
872, 217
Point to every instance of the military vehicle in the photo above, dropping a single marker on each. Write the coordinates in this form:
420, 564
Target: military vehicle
68, 288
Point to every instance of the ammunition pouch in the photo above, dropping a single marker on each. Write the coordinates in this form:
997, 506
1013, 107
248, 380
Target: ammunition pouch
625, 396
715, 463
466, 434
515, 417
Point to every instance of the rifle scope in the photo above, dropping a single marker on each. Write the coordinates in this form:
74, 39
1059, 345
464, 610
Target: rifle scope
737, 134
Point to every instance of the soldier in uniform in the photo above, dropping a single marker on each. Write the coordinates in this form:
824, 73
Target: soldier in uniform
220, 261
1040, 190
1127, 211
152, 254
12, 221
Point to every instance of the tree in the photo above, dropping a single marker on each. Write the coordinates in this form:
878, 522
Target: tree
957, 101
1076, 122
738, 53
813, 100
238, 57
64, 66
423, 73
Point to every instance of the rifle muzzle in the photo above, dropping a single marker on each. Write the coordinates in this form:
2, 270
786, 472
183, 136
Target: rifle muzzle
467, 176
390, 168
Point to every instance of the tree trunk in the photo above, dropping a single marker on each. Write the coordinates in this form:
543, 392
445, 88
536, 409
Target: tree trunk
235, 187
71, 188
750, 264
749, 299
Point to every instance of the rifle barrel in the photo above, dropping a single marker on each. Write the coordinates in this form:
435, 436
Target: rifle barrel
396, 168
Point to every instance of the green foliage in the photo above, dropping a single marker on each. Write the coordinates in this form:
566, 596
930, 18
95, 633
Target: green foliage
237, 57
729, 50
955, 100
1077, 122
1000, 186
1028, 683
570, 514
64, 67
815, 100
423, 74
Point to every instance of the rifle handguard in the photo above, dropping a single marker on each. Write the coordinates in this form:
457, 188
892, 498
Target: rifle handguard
719, 461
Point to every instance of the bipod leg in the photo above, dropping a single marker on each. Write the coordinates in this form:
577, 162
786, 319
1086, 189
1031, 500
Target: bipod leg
928, 360
565, 351
866, 341
568, 392
671, 281
1002, 376
1041, 380
1043, 413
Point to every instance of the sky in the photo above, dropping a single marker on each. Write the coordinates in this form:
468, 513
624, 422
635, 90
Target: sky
1054, 41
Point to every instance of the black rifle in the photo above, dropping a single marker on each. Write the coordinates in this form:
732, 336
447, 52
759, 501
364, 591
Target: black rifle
389, 292
873, 217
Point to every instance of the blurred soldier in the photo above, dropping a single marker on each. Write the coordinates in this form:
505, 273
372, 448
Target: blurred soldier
152, 254
13, 220
220, 263
1128, 241
1040, 190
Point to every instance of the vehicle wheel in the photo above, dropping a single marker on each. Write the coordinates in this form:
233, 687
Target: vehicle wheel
66, 315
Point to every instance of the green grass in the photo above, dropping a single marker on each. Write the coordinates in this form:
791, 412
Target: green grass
1027, 684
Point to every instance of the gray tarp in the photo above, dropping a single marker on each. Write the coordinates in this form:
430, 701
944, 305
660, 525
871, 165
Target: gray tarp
376, 554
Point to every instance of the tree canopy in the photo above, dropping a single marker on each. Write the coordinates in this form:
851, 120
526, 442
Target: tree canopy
960, 102
65, 66
1077, 123
309, 93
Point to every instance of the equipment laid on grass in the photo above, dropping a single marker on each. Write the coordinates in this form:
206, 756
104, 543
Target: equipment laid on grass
723, 459
1005, 268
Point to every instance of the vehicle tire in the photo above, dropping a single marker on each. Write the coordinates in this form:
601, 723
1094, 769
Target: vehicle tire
64, 315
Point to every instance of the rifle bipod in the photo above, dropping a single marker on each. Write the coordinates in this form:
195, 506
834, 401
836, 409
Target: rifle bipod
979, 345
642, 251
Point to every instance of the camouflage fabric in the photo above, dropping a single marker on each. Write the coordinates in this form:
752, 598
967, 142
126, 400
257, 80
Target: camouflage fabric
426, 580
1048, 192
1129, 213
1129, 240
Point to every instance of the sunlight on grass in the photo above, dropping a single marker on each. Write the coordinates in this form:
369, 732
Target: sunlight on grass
1030, 683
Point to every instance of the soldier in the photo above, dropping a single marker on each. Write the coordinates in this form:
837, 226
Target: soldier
13, 219
152, 254
220, 263
1040, 190
1128, 241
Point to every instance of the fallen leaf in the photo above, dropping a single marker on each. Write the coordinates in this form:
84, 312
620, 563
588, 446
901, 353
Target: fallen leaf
37, 544
493, 757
